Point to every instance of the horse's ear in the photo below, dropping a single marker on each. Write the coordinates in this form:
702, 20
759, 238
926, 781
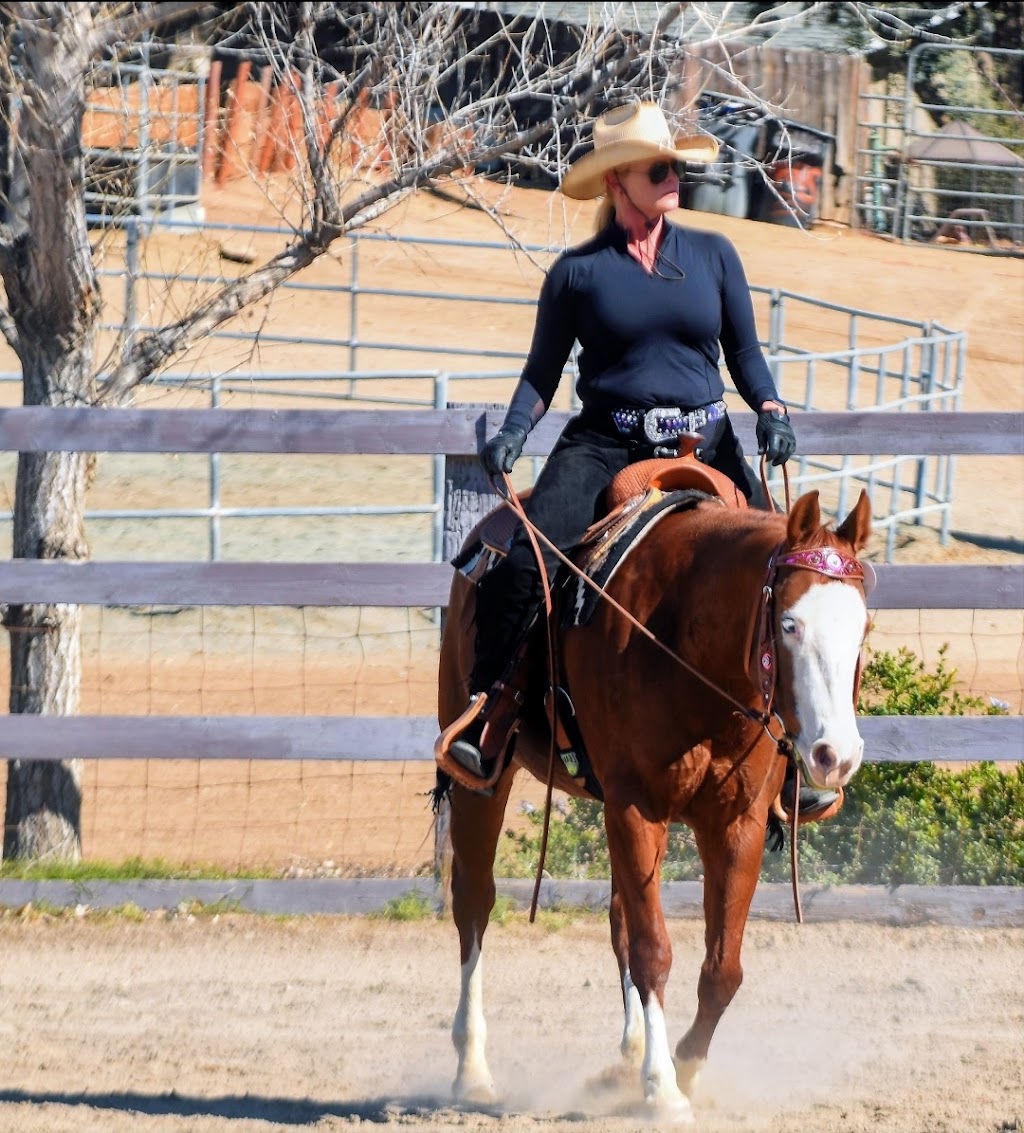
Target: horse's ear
804, 519
856, 527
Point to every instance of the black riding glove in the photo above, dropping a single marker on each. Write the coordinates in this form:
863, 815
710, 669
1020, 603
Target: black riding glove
503, 449
775, 436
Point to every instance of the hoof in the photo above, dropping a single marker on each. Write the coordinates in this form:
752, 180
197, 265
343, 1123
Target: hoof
671, 1111
474, 1092
688, 1074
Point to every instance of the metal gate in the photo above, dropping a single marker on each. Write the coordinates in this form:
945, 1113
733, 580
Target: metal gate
960, 184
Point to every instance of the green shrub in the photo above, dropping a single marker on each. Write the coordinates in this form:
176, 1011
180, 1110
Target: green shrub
901, 823
577, 847
918, 823
915, 823
898, 684
410, 906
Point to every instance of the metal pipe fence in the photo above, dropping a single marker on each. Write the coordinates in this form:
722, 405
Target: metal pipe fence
880, 362
972, 184
162, 169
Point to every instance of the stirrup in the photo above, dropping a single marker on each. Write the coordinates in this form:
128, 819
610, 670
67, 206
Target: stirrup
479, 780
815, 805
467, 751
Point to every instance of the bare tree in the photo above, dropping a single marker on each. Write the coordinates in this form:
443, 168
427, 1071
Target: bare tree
463, 88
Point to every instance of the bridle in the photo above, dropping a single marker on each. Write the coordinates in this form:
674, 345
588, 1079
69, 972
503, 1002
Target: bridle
828, 561
834, 564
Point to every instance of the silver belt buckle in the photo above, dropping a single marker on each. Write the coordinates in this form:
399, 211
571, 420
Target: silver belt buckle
651, 430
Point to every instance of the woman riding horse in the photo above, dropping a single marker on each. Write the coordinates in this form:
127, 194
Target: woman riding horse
651, 303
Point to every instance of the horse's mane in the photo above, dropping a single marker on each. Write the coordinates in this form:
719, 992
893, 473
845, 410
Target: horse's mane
731, 523
754, 521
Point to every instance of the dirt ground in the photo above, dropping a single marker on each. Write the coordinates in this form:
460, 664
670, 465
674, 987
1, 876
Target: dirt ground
373, 817
248, 1025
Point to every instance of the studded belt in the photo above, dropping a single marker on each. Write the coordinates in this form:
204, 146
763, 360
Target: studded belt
665, 422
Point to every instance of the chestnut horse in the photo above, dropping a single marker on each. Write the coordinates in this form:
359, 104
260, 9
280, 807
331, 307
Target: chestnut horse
670, 742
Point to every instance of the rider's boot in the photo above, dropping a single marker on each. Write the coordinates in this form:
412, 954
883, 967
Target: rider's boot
486, 736
503, 624
473, 748
466, 750
814, 803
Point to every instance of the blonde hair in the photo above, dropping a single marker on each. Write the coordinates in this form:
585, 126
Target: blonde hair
605, 213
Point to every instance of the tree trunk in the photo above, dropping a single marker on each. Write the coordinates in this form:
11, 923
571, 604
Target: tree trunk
53, 304
44, 798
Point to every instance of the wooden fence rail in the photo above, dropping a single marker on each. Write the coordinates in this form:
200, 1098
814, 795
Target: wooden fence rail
458, 433
900, 587
887, 739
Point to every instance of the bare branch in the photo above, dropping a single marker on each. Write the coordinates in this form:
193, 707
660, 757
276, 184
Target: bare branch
126, 23
409, 94
607, 60
9, 329
155, 349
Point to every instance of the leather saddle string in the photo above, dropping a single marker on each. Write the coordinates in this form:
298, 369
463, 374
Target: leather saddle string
516, 505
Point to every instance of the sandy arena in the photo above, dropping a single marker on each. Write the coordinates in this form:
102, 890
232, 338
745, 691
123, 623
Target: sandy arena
248, 1025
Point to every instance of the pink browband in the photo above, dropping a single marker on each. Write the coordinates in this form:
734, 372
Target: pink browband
824, 560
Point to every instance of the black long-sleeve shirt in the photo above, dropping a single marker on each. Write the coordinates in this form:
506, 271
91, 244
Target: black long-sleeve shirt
647, 339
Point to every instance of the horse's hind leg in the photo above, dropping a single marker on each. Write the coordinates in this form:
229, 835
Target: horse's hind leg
731, 871
475, 828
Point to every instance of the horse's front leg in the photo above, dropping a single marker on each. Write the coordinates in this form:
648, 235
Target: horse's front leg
632, 1044
731, 870
475, 828
637, 846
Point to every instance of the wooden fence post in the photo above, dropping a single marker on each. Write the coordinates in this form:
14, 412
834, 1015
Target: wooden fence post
211, 122
261, 119
468, 497
231, 164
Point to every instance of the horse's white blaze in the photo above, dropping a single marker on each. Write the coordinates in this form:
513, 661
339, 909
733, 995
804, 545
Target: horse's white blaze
632, 1045
658, 1072
823, 631
469, 1034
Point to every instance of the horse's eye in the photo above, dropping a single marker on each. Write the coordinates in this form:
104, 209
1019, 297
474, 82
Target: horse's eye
789, 625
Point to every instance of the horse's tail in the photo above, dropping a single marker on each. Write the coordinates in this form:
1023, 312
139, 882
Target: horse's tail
775, 839
442, 786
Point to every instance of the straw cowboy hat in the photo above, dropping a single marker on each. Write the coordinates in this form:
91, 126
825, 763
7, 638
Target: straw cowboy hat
626, 134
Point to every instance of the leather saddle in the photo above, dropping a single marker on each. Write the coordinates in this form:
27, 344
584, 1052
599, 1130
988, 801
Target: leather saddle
637, 486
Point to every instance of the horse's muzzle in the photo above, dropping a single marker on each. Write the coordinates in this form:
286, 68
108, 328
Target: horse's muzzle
827, 767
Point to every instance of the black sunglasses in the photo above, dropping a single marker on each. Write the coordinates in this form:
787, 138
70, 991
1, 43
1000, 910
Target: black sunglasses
661, 169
